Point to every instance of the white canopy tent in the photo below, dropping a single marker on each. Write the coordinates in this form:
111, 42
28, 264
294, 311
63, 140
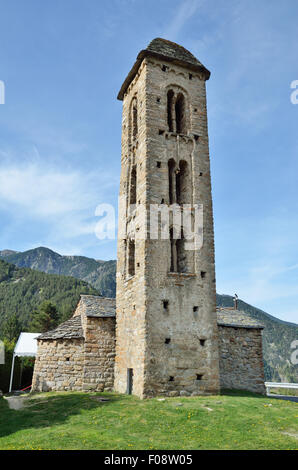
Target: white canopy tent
26, 346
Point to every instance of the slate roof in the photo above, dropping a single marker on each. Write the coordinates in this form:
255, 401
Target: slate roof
167, 51
96, 306
70, 329
103, 307
236, 319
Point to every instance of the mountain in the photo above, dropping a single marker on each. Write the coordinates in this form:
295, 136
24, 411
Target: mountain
277, 338
5, 253
22, 290
99, 274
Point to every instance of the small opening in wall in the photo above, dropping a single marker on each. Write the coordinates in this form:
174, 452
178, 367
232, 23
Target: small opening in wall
158, 164
196, 137
158, 100
164, 68
165, 304
201, 174
196, 308
167, 340
190, 76
131, 258
68, 359
171, 378
138, 265
202, 342
199, 376
162, 201
203, 274
129, 381
161, 132
196, 110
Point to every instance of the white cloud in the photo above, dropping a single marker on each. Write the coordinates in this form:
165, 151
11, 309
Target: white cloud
186, 10
45, 196
41, 191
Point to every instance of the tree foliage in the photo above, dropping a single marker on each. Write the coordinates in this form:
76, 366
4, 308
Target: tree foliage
45, 318
23, 290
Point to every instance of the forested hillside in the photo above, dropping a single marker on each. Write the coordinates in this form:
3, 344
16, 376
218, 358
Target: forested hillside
100, 274
22, 290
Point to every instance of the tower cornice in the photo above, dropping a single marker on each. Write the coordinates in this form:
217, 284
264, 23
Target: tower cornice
166, 51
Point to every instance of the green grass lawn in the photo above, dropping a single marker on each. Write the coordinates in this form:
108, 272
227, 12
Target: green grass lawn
74, 420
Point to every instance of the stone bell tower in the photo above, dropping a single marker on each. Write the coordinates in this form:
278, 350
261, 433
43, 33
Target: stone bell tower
166, 331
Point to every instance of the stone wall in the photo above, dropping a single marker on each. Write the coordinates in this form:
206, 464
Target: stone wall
99, 354
241, 359
75, 364
58, 365
78, 364
130, 298
183, 365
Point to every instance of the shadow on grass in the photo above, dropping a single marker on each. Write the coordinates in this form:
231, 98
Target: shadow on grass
241, 393
45, 411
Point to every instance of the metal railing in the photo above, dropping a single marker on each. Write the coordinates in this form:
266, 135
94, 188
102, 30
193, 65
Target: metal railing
270, 385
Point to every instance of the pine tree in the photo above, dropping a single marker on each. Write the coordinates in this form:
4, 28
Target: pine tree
45, 318
11, 328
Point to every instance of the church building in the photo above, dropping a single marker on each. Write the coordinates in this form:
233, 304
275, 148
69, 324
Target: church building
163, 335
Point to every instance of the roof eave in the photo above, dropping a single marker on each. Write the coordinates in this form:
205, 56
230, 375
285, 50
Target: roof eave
238, 325
145, 53
103, 315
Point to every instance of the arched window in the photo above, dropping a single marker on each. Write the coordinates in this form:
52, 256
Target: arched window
134, 118
181, 255
170, 102
183, 184
171, 175
177, 111
133, 185
173, 265
131, 258
180, 114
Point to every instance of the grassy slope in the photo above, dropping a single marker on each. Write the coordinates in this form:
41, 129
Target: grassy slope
76, 421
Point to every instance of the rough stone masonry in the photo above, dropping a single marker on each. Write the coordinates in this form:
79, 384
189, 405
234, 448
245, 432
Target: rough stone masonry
168, 338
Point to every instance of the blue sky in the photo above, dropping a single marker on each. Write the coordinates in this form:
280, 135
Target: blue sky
63, 62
